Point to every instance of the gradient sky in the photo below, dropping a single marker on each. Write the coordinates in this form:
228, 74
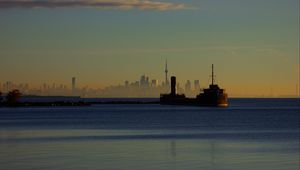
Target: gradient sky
253, 43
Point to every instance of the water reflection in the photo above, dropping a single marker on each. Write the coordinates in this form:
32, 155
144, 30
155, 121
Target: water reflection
212, 154
173, 149
149, 154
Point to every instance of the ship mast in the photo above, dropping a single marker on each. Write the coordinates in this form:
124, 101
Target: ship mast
212, 74
166, 71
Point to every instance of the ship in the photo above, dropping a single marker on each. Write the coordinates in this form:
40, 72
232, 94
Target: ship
213, 96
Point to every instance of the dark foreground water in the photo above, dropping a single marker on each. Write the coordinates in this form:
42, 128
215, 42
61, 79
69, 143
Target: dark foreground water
250, 134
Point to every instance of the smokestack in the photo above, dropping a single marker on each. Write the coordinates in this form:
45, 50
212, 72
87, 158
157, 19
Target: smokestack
173, 85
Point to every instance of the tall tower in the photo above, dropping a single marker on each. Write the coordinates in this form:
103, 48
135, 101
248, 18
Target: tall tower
73, 85
166, 72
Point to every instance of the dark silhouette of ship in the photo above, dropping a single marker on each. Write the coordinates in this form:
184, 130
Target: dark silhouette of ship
213, 96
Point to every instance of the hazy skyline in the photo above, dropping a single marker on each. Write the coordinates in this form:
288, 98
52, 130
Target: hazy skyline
253, 44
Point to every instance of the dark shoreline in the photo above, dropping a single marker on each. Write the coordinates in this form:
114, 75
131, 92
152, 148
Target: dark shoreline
104, 101
72, 104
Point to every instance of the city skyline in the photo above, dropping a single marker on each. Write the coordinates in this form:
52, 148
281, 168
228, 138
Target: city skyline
145, 86
253, 44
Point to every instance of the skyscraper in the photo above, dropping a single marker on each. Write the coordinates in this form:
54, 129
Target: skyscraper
143, 81
188, 86
197, 85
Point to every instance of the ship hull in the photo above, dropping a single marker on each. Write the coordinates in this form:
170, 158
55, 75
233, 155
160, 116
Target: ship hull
220, 101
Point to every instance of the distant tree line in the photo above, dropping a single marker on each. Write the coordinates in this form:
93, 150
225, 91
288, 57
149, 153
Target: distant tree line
11, 99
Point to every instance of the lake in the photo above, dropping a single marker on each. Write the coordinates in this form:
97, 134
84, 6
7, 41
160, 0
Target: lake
249, 134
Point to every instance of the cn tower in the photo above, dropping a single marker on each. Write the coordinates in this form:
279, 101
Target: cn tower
166, 71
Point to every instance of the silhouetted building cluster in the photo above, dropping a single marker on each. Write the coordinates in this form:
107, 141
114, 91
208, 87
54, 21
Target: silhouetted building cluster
9, 86
144, 87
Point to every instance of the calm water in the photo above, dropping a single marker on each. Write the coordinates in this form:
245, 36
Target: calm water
250, 134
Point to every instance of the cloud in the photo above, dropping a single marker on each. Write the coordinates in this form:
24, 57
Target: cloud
119, 4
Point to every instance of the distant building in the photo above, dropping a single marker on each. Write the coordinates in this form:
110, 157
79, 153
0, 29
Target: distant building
135, 84
8, 86
147, 81
44, 87
188, 86
154, 83
126, 83
197, 85
144, 81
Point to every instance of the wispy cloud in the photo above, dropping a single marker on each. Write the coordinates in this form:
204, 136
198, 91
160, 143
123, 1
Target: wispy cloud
119, 4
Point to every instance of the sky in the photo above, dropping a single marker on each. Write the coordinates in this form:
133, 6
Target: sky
254, 45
